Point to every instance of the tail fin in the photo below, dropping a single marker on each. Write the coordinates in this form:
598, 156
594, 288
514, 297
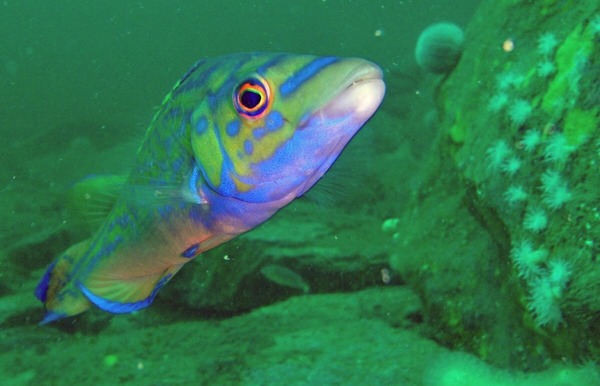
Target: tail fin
56, 289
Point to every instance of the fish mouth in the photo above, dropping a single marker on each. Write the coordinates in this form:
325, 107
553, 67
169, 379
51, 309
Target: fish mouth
357, 99
360, 93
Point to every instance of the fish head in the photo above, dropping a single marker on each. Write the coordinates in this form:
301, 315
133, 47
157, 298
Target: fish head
276, 123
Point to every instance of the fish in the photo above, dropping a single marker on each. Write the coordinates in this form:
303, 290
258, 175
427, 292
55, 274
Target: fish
236, 139
284, 276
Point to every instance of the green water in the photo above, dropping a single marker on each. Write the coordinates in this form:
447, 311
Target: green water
435, 299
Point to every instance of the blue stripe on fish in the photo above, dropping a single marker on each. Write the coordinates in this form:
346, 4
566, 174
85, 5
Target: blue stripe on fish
201, 125
227, 186
123, 220
186, 84
262, 70
193, 185
41, 290
165, 211
227, 86
191, 251
107, 249
191, 70
52, 316
225, 90
233, 128
248, 147
273, 122
305, 73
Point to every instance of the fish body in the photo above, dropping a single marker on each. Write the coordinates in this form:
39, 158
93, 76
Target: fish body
236, 139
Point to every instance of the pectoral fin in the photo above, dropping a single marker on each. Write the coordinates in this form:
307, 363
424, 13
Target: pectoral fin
91, 199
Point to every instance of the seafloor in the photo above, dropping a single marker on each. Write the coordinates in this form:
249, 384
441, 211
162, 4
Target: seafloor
486, 271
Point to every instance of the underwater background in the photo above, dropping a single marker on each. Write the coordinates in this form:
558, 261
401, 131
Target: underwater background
455, 242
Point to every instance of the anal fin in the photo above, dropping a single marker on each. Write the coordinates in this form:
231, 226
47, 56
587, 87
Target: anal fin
124, 296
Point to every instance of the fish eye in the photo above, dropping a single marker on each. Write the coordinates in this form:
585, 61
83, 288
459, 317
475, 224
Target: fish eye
251, 98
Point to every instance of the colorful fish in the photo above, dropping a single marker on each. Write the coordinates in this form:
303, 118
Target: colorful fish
237, 138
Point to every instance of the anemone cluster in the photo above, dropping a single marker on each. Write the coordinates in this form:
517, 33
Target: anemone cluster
533, 166
545, 274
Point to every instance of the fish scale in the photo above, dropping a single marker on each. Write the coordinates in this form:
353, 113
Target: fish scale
236, 139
